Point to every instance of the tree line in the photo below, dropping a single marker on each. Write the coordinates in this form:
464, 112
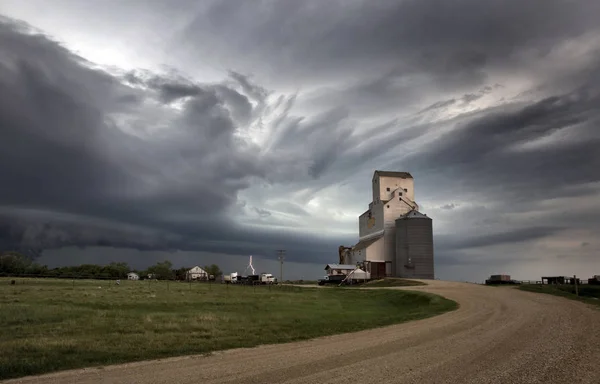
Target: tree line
16, 264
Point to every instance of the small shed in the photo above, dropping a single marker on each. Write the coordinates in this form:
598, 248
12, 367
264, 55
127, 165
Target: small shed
339, 269
595, 280
133, 276
554, 280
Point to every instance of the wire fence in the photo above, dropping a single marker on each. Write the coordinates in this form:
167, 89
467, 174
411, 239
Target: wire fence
166, 284
100, 277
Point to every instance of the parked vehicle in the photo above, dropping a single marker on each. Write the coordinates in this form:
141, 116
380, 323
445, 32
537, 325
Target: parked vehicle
500, 279
263, 278
233, 278
267, 278
331, 279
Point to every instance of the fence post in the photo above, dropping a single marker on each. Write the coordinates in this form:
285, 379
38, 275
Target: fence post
576, 287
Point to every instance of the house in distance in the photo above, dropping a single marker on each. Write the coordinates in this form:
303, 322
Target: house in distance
196, 273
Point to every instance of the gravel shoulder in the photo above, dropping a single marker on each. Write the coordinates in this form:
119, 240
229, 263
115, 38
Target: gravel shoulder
498, 335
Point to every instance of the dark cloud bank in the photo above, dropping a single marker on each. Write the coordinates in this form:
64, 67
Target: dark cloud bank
92, 158
71, 177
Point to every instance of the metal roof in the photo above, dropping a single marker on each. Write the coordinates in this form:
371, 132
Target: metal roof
365, 243
404, 175
340, 266
414, 214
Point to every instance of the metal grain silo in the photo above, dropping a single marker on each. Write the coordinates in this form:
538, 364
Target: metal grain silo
414, 246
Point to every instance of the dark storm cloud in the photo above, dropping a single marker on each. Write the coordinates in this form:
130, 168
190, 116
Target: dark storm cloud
390, 57
483, 150
333, 143
469, 97
55, 139
455, 40
176, 87
170, 89
32, 232
257, 92
439, 104
511, 237
478, 160
393, 57
156, 161
262, 212
448, 206
482, 260
500, 247
48, 133
76, 178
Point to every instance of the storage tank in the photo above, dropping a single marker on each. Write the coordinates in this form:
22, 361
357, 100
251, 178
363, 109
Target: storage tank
359, 274
414, 246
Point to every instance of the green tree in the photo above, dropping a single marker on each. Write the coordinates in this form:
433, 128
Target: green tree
214, 270
162, 270
117, 270
14, 263
37, 269
181, 273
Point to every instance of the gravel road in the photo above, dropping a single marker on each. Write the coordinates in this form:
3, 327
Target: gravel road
498, 335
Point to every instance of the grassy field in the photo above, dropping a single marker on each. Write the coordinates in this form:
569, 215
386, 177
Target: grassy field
51, 324
302, 282
587, 293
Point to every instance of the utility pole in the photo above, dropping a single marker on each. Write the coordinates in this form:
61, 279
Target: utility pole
281, 257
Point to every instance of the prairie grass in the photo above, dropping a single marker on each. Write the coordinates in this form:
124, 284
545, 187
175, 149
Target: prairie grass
587, 293
51, 324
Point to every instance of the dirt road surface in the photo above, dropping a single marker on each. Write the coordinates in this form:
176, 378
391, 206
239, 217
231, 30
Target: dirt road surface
498, 335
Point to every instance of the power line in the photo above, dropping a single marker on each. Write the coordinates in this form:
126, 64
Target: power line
281, 257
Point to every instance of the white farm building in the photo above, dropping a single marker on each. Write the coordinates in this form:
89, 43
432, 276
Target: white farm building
339, 269
133, 276
196, 273
395, 239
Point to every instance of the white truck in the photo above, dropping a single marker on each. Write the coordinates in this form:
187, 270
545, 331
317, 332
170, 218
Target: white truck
263, 278
267, 278
231, 279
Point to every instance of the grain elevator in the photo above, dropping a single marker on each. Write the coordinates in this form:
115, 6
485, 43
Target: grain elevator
395, 239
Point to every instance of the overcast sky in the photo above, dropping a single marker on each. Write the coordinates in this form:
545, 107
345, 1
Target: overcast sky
207, 131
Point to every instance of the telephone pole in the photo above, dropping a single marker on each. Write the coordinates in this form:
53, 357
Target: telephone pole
281, 257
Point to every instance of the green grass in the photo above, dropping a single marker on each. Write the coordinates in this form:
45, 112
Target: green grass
302, 282
50, 324
587, 293
392, 282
